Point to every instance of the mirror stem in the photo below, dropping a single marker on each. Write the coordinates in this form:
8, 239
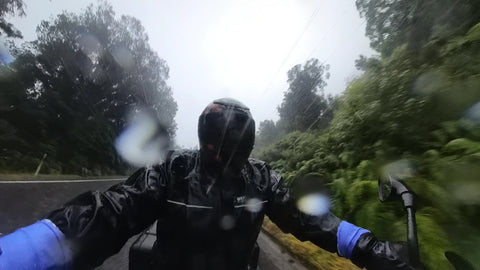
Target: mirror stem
408, 199
412, 237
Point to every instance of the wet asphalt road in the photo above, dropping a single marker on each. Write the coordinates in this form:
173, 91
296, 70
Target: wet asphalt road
21, 204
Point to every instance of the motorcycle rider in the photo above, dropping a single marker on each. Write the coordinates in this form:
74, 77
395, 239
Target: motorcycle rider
209, 204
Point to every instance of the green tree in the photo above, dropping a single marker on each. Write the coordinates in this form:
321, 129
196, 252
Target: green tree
267, 133
421, 110
393, 23
71, 89
364, 63
304, 104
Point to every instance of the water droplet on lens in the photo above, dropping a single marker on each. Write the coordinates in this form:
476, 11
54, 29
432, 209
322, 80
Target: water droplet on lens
254, 205
402, 168
89, 44
227, 222
315, 204
123, 57
428, 82
473, 113
143, 142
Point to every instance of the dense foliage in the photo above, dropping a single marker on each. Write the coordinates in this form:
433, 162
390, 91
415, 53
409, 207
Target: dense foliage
415, 23
304, 107
268, 132
67, 94
414, 114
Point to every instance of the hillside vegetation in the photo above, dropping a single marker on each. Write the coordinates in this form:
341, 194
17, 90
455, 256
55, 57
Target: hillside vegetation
415, 114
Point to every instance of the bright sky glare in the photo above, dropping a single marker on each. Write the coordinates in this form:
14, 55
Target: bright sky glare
234, 48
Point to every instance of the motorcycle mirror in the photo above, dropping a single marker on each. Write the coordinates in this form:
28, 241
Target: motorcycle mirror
458, 261
384, 188
391, 188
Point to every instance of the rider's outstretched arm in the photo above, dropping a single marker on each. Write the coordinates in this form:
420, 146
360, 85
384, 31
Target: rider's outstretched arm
88, 229
331, 233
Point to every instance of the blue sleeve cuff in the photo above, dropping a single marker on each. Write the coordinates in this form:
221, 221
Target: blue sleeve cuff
347, 237
36, 247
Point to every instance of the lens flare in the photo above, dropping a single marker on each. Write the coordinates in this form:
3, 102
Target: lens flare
315, 204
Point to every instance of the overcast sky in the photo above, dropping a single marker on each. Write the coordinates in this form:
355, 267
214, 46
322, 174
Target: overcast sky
234, 48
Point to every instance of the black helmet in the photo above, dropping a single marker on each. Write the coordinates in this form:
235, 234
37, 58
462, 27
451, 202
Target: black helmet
226, 131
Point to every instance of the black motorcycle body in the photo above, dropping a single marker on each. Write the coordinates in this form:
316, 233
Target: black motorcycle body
142, 252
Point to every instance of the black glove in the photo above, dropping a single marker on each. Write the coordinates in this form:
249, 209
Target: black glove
374, 254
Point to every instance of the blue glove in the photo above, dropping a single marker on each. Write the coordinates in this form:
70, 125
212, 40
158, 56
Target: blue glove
347, 238
40, 246
364, 250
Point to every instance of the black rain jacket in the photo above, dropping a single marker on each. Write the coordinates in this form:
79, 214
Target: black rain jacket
202, 222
